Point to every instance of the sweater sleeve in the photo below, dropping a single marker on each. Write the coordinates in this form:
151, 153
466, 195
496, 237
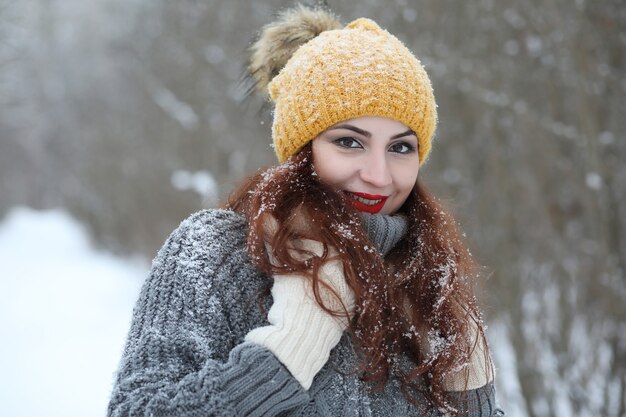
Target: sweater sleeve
185, 354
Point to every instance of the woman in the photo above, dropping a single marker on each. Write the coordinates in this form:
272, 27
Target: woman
371, 309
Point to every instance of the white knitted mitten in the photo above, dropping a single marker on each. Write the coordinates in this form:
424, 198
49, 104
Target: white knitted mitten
301, 334
480, 369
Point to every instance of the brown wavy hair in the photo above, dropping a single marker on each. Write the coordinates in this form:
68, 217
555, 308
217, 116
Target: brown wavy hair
418, 300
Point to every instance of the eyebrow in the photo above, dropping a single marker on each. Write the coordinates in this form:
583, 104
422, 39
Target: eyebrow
368, 134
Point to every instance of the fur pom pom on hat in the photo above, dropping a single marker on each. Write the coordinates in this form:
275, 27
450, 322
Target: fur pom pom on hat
319, 74
280, 39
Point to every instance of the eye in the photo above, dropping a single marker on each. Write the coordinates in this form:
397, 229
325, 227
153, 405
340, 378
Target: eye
402, 148
348, 142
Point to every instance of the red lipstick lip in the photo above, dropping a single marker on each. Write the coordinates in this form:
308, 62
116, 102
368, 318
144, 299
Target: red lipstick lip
373, 209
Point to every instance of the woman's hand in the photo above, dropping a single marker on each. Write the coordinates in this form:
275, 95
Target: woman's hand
301, 333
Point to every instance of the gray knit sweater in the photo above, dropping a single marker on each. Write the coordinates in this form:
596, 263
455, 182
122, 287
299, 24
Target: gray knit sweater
185, 354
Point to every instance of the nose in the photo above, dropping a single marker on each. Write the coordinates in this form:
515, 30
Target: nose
375, 170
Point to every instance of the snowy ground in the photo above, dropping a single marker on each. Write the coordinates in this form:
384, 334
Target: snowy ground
64, 312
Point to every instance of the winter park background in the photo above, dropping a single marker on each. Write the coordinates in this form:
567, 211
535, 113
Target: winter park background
118, 118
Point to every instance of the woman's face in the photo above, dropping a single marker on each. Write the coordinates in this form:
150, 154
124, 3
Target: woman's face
374, 160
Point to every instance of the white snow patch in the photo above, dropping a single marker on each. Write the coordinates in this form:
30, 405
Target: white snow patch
214, 54
534, 45
606, 138
507, 378
65, 309
202, 183
178, 110
593, 180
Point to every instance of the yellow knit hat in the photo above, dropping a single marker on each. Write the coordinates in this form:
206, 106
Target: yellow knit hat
340, 74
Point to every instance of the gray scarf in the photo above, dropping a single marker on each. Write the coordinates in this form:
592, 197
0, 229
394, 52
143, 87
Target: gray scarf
384, 230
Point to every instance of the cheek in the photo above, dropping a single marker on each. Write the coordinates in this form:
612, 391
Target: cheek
330, 167
331, 171
408, 184
406, 176
404, 182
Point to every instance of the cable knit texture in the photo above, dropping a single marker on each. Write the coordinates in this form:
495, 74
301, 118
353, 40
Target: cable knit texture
186, 354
